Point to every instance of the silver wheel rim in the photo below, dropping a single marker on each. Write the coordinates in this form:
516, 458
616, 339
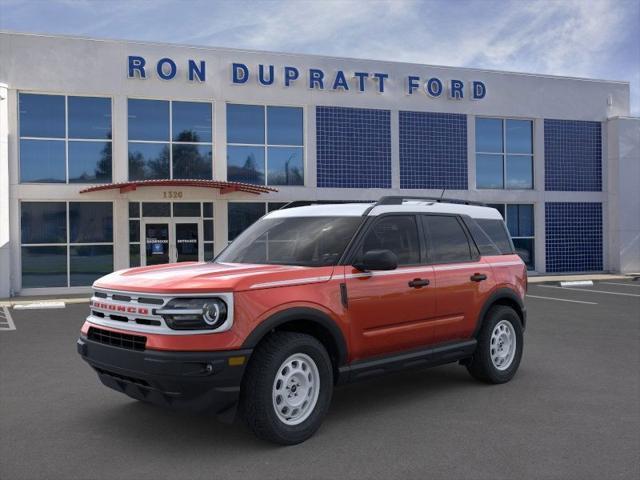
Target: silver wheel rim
503, 345
295, 389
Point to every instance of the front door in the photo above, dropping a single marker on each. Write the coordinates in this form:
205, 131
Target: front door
170, 240
391, 310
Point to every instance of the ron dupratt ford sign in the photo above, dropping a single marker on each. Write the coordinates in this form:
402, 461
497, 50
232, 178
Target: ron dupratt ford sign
314, 78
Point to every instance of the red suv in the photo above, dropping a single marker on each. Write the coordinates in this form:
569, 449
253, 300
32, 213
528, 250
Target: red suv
308, 298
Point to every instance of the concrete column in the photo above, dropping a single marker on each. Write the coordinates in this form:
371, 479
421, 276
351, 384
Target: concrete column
538, 185
471, 155
5, 243
219, 143
220, 225
395, 149
623, 194
311, 159
120, 154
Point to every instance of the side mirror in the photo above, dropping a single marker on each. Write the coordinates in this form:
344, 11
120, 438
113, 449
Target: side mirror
377, 260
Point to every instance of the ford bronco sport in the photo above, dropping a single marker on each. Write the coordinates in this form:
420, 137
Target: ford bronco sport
308, 298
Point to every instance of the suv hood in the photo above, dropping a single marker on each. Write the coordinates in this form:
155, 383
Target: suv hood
194, 277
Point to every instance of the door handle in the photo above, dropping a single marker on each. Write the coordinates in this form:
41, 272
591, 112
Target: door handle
418, 282
478, 277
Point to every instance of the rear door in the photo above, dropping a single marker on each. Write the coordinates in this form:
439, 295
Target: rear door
391, 310
462, 279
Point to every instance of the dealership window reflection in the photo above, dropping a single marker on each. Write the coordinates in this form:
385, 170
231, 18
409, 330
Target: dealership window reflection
65, 139
504, 153
265, 144
170, 139
65, 244
520, 222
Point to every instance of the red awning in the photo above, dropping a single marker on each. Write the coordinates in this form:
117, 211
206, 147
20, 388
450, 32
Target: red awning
224, 187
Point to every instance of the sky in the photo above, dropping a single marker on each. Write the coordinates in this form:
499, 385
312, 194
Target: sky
580, 38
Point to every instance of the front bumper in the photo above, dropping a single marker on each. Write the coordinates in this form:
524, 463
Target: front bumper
196, 381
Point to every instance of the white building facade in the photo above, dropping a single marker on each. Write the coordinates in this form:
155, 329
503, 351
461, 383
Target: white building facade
117, 154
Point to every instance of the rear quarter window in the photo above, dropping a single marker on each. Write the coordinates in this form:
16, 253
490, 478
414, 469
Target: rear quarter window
497, 232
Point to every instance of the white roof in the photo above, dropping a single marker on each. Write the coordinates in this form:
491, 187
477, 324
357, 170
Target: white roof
413, 206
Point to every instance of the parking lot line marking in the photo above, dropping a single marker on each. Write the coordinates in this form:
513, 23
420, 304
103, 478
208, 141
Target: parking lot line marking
8, 320
562, 299
623, 284
590, 290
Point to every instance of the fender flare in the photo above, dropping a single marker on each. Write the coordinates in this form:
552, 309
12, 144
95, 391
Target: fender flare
503, 293
306, 314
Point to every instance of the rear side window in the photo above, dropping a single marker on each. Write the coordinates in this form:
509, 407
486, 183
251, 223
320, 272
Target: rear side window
398, 233
497, 232
448, 242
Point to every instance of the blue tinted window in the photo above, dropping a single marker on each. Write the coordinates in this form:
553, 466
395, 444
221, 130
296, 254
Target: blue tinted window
148, 120
191, 122
42, 161
148, 161
90, 222
208, 230
207, 210
245, 164
519, 136
44, 267
134, 255
284, 126
242, 215
41, 115
88, 263
285, 166
43, 222
192, 161
520, 220
89, 117
89, 162
489, 171
245, 124
489, 135
519, 171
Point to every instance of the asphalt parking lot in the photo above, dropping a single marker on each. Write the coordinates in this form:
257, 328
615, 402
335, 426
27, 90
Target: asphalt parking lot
572, 411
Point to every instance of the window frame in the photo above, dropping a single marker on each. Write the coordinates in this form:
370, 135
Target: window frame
266, 145
170, 142
67, 244
504, 154
66, 139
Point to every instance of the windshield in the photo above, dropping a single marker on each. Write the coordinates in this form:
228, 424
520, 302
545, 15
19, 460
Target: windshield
305, 241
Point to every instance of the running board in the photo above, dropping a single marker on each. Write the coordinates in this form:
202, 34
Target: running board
428, 357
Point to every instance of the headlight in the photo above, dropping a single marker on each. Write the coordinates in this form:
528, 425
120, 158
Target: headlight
194, 313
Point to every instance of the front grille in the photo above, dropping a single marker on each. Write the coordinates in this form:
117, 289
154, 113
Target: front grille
115, 339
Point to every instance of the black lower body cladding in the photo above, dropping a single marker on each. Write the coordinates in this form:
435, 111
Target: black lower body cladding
195, 381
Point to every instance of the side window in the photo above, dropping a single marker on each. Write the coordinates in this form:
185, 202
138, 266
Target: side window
448, 242
398, 233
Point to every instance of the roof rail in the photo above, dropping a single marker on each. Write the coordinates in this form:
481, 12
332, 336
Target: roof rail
399, 199
304, 203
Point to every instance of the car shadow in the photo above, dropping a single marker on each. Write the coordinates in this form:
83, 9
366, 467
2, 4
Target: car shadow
137, 422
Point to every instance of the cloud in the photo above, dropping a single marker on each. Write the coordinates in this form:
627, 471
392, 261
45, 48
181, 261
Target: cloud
589, 38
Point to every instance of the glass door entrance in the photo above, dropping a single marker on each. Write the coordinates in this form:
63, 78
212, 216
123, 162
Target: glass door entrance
170, 240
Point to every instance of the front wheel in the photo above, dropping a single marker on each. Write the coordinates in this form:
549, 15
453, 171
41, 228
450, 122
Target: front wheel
287, 388
499, 349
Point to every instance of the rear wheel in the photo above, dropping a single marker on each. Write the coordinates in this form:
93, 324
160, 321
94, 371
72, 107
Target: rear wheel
287, 388
499, 349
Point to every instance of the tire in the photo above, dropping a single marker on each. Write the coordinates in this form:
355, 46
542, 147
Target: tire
289, 375
496, 359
